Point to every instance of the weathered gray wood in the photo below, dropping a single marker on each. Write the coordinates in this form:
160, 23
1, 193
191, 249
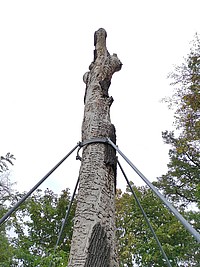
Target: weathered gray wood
93, 242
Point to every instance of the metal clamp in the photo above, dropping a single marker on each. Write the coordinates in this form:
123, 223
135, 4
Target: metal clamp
90, 141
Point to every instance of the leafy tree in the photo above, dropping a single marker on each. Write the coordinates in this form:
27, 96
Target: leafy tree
6, 251
6, 194
37, 224
181, 183
34, 228
5, 184
136, 242
4, 162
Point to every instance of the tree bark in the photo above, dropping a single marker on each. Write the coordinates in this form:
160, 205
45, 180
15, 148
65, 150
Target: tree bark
93, 241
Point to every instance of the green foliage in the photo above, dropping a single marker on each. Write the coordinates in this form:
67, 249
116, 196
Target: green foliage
5, 160
136, 243
34, 228
6, 195
181, 183
37, 225
5, 247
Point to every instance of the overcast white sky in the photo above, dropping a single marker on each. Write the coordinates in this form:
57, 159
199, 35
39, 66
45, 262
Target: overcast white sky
47, 46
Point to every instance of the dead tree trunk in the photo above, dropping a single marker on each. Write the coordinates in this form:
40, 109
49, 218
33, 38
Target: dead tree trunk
93, 242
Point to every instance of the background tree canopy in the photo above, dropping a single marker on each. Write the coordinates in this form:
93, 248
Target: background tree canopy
35, 229
38, 224
6, 195
181, 182
136, 242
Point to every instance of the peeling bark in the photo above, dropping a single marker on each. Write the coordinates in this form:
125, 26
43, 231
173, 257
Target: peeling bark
93, 241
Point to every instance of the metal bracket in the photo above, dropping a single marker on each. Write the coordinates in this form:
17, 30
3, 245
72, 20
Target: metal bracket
90, 141
94, 140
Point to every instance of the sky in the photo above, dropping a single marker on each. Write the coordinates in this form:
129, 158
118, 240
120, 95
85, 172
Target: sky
45, 49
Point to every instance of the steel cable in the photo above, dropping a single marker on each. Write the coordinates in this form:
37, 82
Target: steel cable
164, 200
13, 209
145, 217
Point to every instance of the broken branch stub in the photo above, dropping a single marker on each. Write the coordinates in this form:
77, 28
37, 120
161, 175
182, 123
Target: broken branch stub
103, 66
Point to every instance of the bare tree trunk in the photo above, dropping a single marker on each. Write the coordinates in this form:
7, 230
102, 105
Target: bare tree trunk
93, 242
